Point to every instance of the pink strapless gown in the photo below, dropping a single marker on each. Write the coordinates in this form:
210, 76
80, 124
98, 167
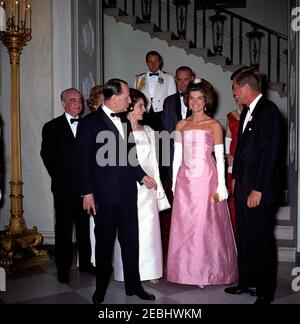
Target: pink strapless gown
202, 249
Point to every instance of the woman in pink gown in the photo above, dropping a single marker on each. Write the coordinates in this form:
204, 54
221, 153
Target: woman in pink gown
201, 248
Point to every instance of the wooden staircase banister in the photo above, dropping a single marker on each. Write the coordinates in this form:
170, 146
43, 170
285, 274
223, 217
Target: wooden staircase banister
246, 20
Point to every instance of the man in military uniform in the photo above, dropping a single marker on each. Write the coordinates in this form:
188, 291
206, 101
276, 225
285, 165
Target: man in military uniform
156, 85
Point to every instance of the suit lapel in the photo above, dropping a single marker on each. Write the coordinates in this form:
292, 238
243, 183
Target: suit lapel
111, 126
251, 122
241, 123
178, 106
66, 128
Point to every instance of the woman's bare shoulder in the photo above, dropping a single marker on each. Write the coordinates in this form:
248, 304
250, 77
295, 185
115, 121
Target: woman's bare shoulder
181, 124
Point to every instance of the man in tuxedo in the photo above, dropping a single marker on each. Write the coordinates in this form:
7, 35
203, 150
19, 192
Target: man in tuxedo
58, 152
109, 176
156, 85
174, 107
255, 182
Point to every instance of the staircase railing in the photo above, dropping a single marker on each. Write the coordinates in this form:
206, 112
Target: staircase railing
239, 34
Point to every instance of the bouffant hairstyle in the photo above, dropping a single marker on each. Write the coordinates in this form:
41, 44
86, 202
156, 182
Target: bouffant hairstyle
206, 88
134, 96
95, 95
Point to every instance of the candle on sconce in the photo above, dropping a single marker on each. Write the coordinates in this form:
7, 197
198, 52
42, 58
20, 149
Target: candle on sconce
11, 7
29, 16
2, 16
17, 13
23, 5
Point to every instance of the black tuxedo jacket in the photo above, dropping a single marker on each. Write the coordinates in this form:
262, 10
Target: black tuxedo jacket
58, 151
100, 141
172, 112
256, 164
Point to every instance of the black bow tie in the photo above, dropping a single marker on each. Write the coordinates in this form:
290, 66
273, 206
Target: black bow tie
152, 74
74, 120
115, 114
181, 94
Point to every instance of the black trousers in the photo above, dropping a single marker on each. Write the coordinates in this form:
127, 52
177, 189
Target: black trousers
69, 211
257, 254
121, 220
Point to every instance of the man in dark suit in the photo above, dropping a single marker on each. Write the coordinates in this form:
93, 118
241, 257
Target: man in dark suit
255, 182
175, 107
109, 175
58, 152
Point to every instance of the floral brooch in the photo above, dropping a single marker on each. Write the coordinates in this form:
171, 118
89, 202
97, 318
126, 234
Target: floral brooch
161, 80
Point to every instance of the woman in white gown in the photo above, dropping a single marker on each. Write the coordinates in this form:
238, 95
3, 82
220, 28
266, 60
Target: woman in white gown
150, 245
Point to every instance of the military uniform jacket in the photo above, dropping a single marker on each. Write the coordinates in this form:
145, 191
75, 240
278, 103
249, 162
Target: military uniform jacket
165, 87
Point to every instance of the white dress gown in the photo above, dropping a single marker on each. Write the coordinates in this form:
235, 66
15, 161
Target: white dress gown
150, 245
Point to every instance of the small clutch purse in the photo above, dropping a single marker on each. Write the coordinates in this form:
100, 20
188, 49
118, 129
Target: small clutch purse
215, 198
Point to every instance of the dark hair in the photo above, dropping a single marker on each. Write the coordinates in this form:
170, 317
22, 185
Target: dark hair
62, 95
239, 70
206, 88
95, 95
113, 87
249, 76
134, 96
155, 53
186, 68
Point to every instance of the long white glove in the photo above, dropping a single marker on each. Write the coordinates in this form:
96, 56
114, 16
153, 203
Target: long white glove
228, 141
176, 162
219, 154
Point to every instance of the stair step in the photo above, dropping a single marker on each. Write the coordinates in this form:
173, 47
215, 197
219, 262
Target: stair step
218, 60
285, 243
127, 19
181, 43
283, 222
284, 213
164, 35
284, 232
277, 86
114, 12
147, 27
197, 51
232, 67
286, 254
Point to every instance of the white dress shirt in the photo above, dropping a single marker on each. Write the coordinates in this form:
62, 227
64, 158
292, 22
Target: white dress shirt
183, 108
116, 120
74, 125
152, 82
250, 110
